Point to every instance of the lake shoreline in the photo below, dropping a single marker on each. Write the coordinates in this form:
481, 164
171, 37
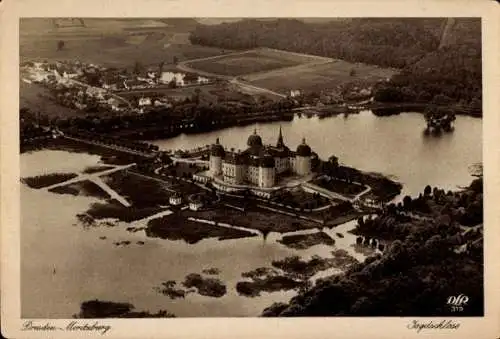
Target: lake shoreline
385, 109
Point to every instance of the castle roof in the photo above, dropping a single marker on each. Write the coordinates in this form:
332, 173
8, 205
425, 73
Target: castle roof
303, 150
280, 143
256, 151
217, 150
254, 140
267, 161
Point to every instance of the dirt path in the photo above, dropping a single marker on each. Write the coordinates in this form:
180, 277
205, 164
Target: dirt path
243, 84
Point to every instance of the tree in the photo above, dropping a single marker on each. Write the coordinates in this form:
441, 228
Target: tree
160, 69
197, 92
60, 45
427, 190
407, 202
172, 83
137, 68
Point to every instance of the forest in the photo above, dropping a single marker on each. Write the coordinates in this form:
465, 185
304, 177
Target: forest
416, 273
439, 58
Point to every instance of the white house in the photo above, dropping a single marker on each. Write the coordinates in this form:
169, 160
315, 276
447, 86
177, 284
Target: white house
144, 102
175, 200
195, 205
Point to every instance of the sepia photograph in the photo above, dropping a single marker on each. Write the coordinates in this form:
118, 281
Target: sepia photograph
250, 167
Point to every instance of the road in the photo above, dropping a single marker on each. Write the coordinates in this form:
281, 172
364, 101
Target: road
244, 84
88, 176
324, 192
145, 220
184, 66
95, 178
252, 88
113, 147
112, 193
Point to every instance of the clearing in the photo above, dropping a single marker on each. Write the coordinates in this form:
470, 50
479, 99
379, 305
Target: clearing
109, 42
252, 61
320, 76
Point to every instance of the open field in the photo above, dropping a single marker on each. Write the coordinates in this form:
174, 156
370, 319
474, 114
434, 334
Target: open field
111, 43
235, 65
253, 61
112, 51
320, 76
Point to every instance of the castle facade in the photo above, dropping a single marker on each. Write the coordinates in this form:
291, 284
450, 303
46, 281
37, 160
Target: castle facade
259, 165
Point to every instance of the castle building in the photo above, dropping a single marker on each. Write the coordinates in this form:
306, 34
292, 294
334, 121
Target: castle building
259, 165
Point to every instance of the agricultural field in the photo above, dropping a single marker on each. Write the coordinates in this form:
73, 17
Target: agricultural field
321, 76
254, 61
110, 43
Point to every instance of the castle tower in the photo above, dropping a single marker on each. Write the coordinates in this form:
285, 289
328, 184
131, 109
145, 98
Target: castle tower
254, 140
303, 159
216, 155
240, 168
267, 171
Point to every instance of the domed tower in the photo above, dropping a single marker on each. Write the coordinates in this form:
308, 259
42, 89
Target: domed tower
254, 140
303, 159
216, 155
267, 171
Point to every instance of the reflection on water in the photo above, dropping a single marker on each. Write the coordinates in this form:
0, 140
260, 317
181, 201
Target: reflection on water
63, 263
392, 145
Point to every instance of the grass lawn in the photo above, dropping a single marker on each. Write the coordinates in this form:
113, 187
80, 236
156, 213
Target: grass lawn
255, 218
96, 169
304, 241
177, 226
139, 191
298, 198
86, 188
115, 210
181, 169
241, 64
248, 62
339, 186
41, 181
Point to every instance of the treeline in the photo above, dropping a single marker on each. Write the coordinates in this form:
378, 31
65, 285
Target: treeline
109, 309
431, 260
170, 121
440, 58
386, 42
450, 76
382, 187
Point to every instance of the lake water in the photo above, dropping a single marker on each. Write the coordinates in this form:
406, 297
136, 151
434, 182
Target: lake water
393, 145
87, 267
